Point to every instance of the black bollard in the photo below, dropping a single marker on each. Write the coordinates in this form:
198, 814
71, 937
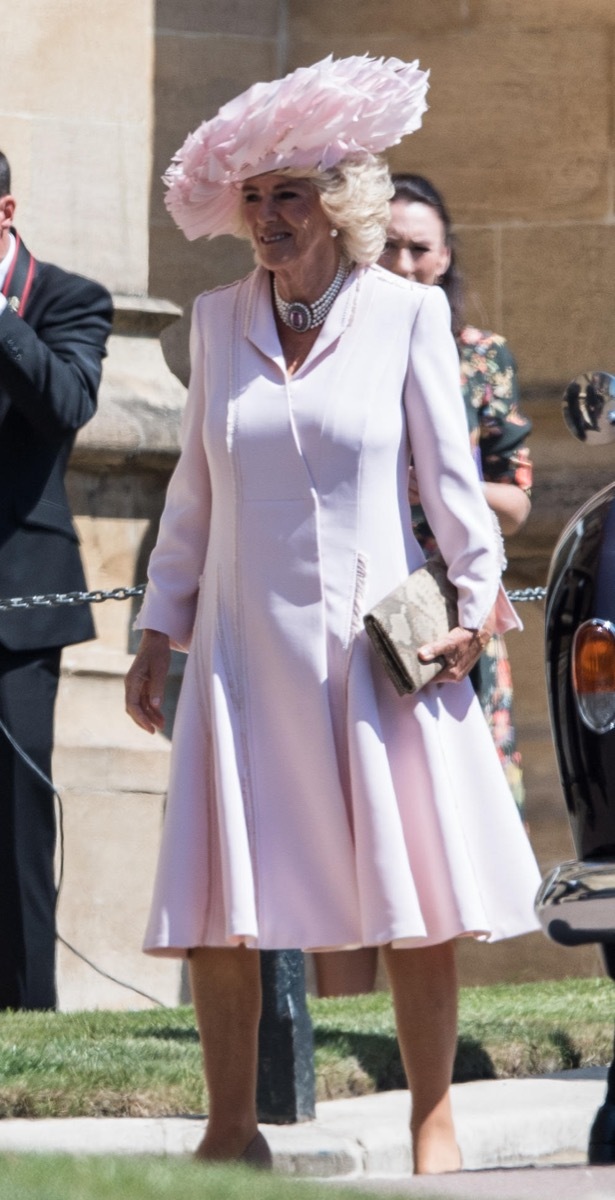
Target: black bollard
285, 1089
601, 1150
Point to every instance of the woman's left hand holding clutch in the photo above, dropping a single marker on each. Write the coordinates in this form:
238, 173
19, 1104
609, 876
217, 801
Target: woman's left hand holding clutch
461, 649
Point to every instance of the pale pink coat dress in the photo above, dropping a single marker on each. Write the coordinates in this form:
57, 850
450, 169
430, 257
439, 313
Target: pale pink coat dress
309, 805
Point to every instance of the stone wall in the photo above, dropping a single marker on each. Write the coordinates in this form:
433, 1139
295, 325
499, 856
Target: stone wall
519, 136
206, 52
77, 126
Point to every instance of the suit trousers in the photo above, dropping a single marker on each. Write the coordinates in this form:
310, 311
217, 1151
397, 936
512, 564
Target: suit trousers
28, 689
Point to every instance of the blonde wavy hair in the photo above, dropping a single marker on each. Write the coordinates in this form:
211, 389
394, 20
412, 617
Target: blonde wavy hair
354, 196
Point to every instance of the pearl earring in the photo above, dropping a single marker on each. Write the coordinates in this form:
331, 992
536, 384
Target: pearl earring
333, 232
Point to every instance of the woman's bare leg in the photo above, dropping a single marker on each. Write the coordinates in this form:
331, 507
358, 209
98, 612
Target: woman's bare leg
346, 972
226, 990
424, 986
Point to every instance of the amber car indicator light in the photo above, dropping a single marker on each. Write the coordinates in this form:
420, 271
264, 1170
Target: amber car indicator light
593, 674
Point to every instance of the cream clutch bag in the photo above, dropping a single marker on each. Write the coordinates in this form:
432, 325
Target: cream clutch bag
422, 609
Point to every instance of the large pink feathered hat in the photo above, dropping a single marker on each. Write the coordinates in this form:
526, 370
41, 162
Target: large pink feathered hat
314, 117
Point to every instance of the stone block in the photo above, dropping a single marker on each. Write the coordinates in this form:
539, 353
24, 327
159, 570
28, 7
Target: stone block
521, 146
185, 268
116, 516
132, 494
526, 14
478, 258
101, 179
17, 145
95, 739
110, 849
122, 767
195, 75
322, 19
509, 163
82, 157
234, 17
140, 406
72, 60
515, 141
557, 285
112, 780
114, 550
84, 84
565, 475
175, 343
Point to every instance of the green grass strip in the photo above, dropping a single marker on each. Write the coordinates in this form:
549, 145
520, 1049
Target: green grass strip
34, 1177
148, 1063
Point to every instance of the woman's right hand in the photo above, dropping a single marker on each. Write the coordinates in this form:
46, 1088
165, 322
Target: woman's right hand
146, 680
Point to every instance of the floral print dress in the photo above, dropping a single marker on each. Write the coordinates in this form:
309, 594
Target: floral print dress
498, 431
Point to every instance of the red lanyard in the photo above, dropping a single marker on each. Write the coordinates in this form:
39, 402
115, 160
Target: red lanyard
19, 277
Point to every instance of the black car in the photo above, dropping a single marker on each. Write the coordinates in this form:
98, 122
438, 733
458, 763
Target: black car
576, 901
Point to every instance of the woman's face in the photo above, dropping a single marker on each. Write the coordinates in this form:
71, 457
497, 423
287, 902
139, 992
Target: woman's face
286, 222
415, 247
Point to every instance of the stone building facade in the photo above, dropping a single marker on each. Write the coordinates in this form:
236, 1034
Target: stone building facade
519, 136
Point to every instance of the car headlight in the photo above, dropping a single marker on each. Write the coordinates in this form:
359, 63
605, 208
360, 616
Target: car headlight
593, 674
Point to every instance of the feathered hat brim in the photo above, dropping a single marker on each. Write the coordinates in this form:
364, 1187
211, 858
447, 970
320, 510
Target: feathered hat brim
312, 118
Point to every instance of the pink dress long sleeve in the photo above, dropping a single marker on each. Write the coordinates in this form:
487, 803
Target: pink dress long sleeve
309, 805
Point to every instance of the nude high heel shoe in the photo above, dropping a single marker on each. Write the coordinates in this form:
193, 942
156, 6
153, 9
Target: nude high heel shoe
257, 1154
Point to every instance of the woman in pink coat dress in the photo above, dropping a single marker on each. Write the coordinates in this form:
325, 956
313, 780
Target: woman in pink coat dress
309, 805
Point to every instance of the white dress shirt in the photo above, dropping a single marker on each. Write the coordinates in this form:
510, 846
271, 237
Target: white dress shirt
4, 268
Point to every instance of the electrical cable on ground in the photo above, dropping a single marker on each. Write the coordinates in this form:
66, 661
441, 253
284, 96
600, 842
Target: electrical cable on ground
78, 953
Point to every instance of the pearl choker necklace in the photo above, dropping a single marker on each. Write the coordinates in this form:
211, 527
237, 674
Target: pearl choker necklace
300, 316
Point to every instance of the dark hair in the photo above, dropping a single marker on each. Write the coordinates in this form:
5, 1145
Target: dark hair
5, 175
417, 189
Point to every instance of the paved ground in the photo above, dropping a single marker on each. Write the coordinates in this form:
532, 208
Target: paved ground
529, 1183
519, 1138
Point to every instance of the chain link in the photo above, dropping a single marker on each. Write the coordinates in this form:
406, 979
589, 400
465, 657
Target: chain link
54, 599
529, 593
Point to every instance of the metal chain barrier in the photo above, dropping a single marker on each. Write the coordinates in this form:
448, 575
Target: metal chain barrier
529, 593
54, 599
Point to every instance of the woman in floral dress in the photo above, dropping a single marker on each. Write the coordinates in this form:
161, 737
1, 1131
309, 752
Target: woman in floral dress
498, 429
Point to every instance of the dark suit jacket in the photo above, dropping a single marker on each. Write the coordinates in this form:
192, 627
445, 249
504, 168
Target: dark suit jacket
50, 366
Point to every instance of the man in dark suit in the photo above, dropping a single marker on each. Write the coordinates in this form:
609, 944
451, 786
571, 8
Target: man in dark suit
53, 330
